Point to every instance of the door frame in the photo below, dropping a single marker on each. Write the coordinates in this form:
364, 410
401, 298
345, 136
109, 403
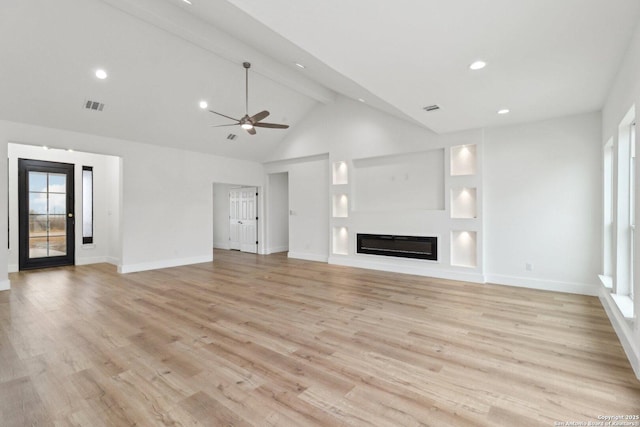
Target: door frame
24, 166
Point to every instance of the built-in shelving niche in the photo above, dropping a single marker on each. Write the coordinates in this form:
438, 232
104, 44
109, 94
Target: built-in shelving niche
463, 202
463, 160
464, 249
340, 206
340, 241
340, 173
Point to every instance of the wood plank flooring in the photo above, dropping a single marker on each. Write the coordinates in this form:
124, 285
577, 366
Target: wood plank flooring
264, 340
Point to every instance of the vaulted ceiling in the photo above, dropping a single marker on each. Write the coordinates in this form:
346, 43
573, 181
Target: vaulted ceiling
545, 58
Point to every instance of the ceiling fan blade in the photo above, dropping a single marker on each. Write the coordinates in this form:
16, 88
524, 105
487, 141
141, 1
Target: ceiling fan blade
224, 115
219, 126
271, 125
251, 131
260, 116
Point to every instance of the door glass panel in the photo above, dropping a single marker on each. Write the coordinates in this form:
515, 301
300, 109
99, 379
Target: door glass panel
38, 181
47, 215
37, 203
57, 204
57, 183
38, 247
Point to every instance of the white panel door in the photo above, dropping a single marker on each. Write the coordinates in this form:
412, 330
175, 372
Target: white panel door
249, 220
234, 219
243, 219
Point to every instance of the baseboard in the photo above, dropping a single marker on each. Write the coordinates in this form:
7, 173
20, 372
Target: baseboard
277, 249
92, 260
5, 285
308, 256
113, 260
221, 245
155, 265
623, 329
542, 284
427, 270
13, 268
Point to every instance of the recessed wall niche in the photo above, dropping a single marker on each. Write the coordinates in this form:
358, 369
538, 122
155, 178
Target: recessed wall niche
463, 202
340, 206
340, 173
340, 241
464, 248
463, 160
413, 181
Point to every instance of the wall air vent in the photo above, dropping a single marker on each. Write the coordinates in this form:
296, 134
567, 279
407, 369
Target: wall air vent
232, 136
430, 108
93, 105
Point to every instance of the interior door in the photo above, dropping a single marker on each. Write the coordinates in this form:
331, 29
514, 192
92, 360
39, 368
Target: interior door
234, 219
46, 216
243, 219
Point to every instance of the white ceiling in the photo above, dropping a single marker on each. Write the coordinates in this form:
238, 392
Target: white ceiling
546, 58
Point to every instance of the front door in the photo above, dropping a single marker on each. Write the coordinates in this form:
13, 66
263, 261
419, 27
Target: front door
243, 219
45, 192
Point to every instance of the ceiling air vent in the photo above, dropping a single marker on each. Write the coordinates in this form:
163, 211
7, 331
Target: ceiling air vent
232, 136
93, 105
433, 107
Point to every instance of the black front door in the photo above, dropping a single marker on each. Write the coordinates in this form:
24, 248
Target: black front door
45, 192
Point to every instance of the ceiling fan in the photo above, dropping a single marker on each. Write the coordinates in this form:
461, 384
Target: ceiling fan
250, 123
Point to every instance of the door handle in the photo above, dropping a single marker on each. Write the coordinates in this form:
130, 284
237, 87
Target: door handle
239, 222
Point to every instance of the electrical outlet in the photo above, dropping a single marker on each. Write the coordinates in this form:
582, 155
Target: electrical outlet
528, 266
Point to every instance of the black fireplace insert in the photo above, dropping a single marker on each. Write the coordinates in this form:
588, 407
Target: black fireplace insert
419, 247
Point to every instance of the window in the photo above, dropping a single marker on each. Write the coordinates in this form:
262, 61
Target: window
608, 238
87, 204
626, 244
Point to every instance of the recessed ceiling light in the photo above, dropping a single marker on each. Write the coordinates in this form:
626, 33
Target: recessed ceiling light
478, 65
299, 65
203, 104
186, 1
503, 111
44, 147
70, 150
101, 74
361, 100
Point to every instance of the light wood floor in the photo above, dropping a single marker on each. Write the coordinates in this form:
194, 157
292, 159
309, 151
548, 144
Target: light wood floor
263, 340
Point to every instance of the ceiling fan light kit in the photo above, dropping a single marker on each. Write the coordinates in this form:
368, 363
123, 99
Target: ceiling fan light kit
249, 123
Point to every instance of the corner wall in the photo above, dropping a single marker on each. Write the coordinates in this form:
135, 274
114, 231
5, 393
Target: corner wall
538, 202
105, 207
166, 196
624, 93
5, 284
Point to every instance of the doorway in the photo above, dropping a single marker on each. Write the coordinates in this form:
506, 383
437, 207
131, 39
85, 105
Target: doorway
46, 216
243, 219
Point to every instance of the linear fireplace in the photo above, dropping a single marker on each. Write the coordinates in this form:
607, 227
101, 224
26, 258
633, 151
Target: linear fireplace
419, 247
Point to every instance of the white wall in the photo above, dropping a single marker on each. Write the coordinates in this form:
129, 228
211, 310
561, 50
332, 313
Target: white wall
278, 212
114, 210
625, 93
542, 186
309, 209
221, 215
4, 239
308, 206
355, 133
166, 196
105, 212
